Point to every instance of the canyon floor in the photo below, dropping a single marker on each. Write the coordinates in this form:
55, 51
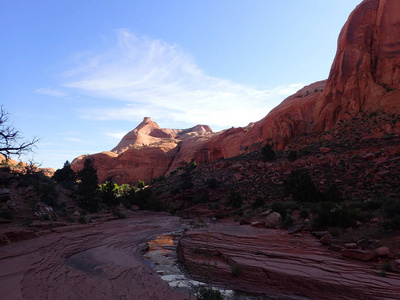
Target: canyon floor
104, 260
92, 261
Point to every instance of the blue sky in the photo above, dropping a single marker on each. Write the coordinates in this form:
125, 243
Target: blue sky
81, 74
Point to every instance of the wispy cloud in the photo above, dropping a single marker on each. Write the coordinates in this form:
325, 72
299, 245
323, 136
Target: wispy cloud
50, 92
115, 135
70, 139
150, 77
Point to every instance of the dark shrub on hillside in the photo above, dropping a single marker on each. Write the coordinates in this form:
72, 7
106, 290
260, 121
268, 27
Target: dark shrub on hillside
336, 215
332, 194
267, 153
212, 183
292, 156
302, 188
235, 199
258, 202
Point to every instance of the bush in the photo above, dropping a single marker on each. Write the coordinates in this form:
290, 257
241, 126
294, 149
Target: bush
283, 208
236, 269
212, 183
65, 176
108, 193
267, 153
258, 202
332, 194
141, 184
335, 215
292, 156
207, 293
235, 199
302, 188
158, 179
88, 187
145, 199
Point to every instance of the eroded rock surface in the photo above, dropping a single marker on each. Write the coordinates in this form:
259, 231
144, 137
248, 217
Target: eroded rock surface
93, 261
273, 262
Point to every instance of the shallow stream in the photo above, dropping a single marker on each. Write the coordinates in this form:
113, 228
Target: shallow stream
162, 257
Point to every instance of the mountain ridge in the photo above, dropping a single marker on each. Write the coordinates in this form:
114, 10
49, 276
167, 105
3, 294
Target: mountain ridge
364, 77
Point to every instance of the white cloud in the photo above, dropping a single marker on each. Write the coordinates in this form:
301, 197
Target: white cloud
69, 139
115, 135
160, 80
50, 92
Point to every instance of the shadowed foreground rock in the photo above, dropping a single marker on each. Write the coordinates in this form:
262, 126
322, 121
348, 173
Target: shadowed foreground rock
94, 261
273, 262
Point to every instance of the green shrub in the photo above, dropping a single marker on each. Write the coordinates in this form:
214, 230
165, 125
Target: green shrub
141, 184
207, 293
236, 269
108, 193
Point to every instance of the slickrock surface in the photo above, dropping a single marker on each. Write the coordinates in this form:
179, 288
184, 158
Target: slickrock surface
274, 262
93, 261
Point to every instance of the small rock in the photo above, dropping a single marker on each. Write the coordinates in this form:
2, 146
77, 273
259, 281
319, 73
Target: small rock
4, 240
273, 220
258, 224
382, 251
336, 247
266, 213
350, 246
324, 150
397, 262
362, 244
76, 214
319, 234
326, 239
363, 255
295, 229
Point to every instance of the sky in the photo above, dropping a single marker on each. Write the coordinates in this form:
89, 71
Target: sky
79, 75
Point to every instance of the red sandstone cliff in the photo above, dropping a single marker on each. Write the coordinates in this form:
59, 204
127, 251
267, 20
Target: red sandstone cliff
365, 76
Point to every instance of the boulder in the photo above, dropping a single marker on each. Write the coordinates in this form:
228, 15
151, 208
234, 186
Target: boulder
364, 255
326, 240
382, 251
273, 220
